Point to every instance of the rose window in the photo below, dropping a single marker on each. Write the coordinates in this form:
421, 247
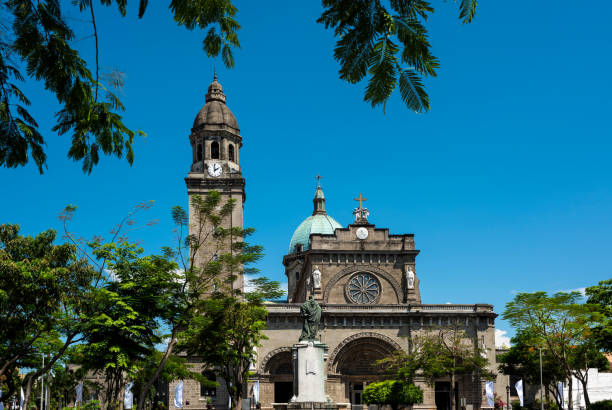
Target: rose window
363, 288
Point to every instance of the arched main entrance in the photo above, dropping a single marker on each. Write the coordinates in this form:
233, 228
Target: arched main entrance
279, 367
354, 362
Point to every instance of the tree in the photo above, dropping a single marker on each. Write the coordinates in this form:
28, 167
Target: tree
175, 368
524, 359
121, 329
601, 296
393, 393
447, 353
451, 352
228, 330
44, 288
561, 325
387, 44
199, 277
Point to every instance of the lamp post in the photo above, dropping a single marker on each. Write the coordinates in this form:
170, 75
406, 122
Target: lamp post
508, 394
541, 384
42, 383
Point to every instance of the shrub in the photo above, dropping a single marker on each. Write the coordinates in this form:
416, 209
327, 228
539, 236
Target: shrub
601, 405
392, 392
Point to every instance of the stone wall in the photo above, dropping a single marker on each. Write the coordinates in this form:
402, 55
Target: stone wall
377, 329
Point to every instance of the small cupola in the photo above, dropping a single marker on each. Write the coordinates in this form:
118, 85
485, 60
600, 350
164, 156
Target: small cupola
215, 91
319, 202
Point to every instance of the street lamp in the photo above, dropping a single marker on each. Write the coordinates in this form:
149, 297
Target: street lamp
508, 394
541, 384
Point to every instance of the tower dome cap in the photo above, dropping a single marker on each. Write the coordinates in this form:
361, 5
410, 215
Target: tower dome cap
215, 115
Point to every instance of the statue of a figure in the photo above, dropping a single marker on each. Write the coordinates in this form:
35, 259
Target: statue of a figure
410, 279
311, 312
483, 351
364, 214
316, 278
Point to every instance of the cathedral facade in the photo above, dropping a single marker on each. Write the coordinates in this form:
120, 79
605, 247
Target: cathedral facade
363, 276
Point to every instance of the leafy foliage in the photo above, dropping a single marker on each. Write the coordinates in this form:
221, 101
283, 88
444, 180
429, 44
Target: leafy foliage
562, 326
602, 405
41, 39
389, 45
369, 38
523, 359
42, 42
43, 290
447, 353
601, 296
392, 392
120, 329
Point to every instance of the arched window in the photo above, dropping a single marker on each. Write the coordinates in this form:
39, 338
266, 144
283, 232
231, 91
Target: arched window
214, 150
231, 152
199, 153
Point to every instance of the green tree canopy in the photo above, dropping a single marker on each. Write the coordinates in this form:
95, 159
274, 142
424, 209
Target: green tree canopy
447, 353
385, 43
601, 296
44, 290
561, 325
523, 359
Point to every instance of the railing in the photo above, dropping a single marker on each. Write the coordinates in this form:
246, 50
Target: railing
295, 308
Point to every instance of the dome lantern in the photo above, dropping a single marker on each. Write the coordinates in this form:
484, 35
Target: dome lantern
318, 223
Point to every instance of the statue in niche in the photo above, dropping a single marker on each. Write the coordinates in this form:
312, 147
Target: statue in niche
483, 349
410, 278
311, 313
316, 278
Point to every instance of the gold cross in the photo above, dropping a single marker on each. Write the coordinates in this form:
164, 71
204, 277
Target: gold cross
318, 177
360, 199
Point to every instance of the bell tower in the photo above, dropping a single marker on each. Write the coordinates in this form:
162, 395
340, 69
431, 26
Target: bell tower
215, 143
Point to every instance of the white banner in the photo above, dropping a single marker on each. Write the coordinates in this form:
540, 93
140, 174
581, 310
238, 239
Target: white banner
256, 391
560, 388
79, 393
178, 395
128, 396
489, 390
22, 398
519, 390
229, 402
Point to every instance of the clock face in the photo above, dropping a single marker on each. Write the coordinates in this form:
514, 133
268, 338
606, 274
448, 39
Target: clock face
214, 169
362, 233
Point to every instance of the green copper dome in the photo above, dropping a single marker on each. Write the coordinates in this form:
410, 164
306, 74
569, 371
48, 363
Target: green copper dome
318, 222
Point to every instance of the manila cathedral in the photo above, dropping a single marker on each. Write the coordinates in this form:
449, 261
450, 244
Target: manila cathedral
364, 278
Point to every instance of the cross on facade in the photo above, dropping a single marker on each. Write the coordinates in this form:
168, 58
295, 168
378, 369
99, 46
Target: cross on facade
318, 177
360, 199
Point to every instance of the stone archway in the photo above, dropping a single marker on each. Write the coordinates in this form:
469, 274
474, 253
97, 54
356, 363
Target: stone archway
278, 367
268, 360
353, 363
357, 353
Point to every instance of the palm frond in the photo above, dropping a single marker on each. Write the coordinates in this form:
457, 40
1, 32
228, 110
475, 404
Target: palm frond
412, 91
467, 10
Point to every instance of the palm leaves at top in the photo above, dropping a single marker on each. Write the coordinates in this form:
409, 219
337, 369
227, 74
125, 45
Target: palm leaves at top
387, 44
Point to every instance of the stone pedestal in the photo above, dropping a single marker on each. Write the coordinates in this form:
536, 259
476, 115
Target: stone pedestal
309, 372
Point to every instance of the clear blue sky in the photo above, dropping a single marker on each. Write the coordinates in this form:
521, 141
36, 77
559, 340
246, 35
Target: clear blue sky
506, 183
